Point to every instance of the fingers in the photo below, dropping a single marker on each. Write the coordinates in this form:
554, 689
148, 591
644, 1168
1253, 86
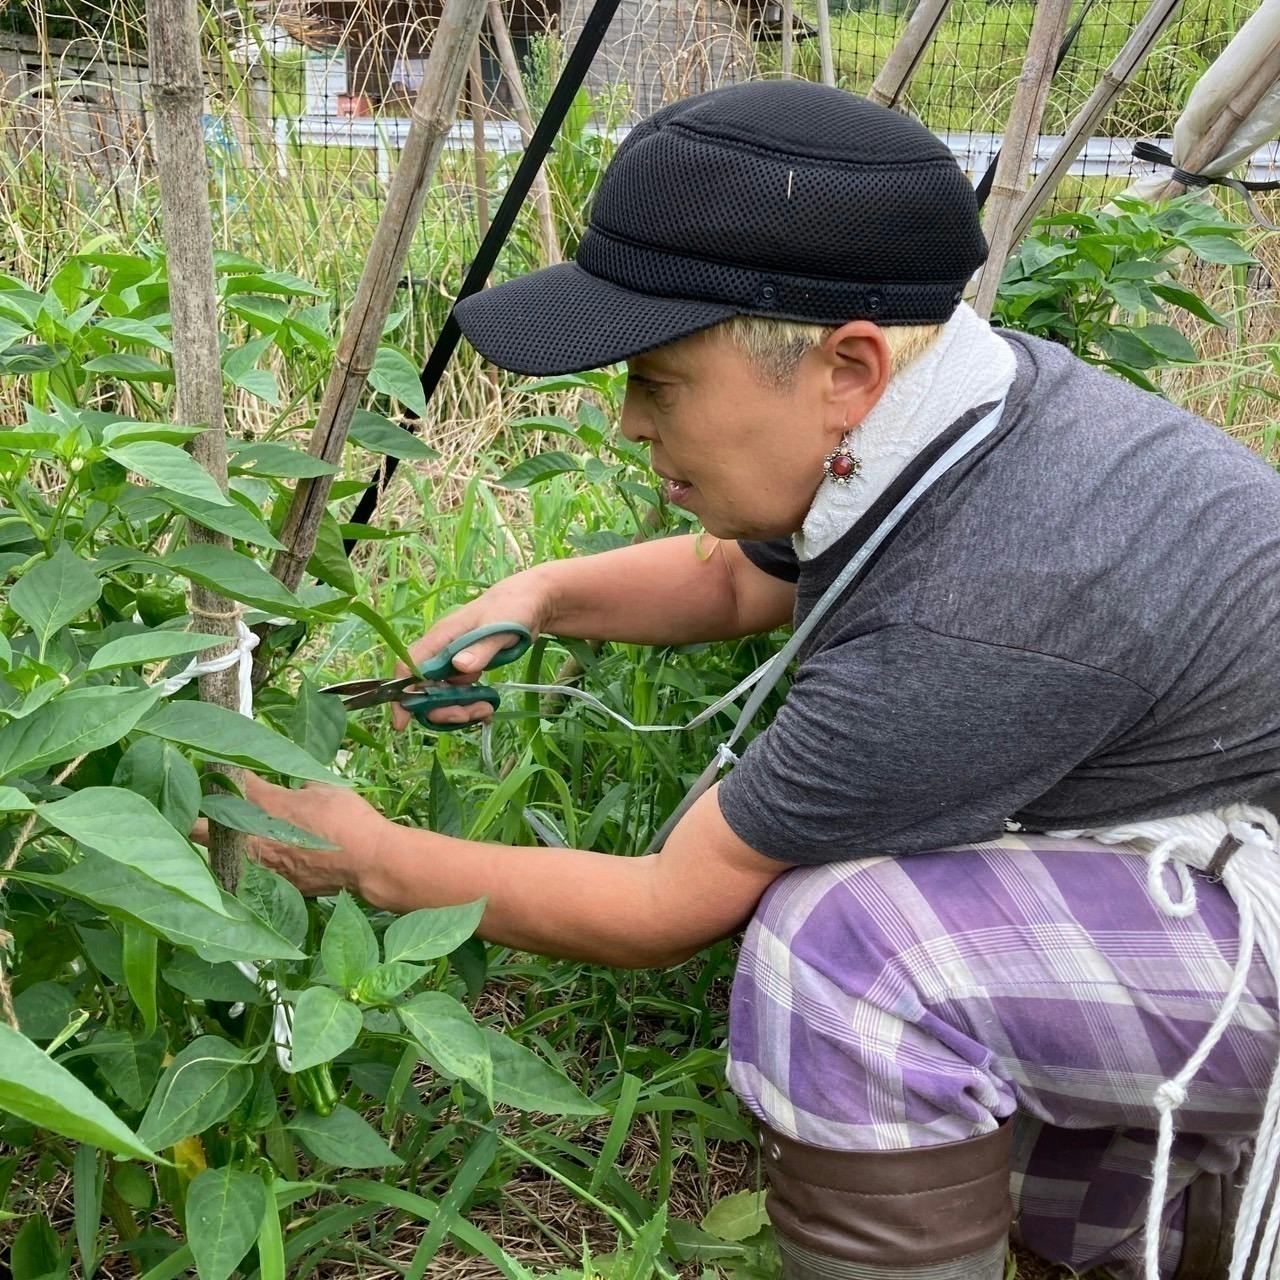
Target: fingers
471, 713
476, 657
468, 662
200, 832
266, 795
430, 644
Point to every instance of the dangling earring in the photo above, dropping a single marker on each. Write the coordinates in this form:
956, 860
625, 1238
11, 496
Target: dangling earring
842, 464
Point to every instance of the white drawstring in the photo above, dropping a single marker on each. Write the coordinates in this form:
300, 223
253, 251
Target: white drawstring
242, 657
1241, 844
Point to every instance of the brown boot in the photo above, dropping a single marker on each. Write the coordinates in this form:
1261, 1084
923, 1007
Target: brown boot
1213, 1200
929, 1213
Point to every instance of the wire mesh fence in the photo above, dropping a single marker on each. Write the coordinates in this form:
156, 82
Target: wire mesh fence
309, 103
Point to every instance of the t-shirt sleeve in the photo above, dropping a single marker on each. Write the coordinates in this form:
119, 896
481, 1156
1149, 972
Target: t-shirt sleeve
902, 740
776, 557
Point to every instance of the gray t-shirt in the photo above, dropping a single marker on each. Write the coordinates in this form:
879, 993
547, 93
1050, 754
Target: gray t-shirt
1079, 625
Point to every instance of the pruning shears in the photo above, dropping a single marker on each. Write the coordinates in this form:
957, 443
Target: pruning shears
426, 691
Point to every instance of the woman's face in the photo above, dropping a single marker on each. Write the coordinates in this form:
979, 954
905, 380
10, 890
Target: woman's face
743, 453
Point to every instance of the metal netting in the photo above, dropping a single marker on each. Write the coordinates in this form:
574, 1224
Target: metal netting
309, 103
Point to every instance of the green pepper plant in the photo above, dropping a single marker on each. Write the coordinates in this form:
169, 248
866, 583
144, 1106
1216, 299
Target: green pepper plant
1102, 282
194, 1061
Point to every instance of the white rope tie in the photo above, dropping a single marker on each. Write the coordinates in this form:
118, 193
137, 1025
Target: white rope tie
241, 656
1241, 844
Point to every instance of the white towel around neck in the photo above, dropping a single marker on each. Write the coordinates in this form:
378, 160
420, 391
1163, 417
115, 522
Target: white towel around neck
967, 366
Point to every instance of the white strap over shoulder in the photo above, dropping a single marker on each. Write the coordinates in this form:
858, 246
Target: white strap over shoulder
768, 674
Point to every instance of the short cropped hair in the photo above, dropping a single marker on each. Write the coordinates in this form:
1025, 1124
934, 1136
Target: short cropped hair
776, 347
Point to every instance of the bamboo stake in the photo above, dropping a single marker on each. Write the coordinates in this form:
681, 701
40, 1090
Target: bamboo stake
1114, 79
433, 113
520, 105
788, 37
177, 97
476, 77
824, 44
903, 62
1019, 146
1234, 112
479, 148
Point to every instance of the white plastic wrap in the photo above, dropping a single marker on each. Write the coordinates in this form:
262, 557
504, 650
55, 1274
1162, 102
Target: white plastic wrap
1255, 45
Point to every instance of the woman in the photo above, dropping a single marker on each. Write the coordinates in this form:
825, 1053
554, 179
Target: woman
1075, 627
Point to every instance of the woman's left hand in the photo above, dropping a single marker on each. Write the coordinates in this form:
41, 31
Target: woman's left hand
335, 814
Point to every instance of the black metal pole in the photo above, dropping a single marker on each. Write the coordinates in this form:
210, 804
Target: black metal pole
562, 96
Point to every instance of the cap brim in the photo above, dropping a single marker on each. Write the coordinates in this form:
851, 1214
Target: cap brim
563, 319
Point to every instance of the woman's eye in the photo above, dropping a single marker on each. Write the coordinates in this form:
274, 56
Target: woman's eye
652, 389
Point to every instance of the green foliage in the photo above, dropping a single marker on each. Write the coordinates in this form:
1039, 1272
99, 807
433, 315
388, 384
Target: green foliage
1101, 283
147, 1034
225, 1209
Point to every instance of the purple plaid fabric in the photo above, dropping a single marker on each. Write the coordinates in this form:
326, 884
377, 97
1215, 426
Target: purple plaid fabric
890, 1003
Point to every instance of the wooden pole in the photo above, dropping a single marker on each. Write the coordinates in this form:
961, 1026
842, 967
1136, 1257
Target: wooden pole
1019, 146
1124, 66
434, 111
478, 148
824, 43
177, 99
908, 53
520, 106
788, 38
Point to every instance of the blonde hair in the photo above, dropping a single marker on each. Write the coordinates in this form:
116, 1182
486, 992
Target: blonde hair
776, 347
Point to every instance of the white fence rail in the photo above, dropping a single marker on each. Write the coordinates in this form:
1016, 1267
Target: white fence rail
1101, 157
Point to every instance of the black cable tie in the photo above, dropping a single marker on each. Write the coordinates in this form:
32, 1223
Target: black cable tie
1152, 154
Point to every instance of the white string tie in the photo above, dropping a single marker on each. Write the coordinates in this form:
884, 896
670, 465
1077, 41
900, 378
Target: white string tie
568, 691
241, 657
1241, 845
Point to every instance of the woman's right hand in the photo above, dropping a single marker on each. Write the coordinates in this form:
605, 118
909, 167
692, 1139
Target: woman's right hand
519, 598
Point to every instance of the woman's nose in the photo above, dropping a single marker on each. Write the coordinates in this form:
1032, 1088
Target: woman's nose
633, 426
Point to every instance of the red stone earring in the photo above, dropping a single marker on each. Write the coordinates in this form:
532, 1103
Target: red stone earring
841, 464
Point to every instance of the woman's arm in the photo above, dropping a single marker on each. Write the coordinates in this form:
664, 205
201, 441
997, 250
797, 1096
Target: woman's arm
646, 912
660, 592
657, 592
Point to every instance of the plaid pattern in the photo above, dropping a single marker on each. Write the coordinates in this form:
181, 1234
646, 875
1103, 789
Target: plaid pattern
898, 1002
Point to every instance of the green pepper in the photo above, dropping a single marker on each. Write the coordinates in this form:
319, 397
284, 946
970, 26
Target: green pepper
157, 604
318, 1088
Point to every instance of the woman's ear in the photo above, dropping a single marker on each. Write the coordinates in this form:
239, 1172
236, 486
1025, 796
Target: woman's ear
859, 366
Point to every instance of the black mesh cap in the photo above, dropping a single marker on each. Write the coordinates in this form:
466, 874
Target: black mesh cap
779, 198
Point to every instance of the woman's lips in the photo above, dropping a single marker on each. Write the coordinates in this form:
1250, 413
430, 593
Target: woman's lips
678, 492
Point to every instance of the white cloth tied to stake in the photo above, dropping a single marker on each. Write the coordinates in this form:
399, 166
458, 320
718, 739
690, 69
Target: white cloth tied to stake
241, 657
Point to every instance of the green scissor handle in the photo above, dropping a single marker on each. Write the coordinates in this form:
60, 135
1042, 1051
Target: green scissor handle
420, 705
441, 666
421, 702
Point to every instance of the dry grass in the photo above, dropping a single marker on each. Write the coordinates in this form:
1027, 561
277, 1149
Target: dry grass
1231, 383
